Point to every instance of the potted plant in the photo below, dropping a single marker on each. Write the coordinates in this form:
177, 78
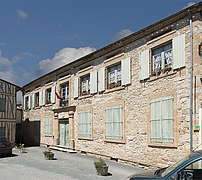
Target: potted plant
101, 167
49, 155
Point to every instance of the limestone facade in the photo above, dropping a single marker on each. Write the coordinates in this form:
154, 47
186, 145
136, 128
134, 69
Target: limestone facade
134, 96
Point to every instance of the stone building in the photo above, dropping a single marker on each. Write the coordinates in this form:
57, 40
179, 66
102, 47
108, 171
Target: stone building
128, 101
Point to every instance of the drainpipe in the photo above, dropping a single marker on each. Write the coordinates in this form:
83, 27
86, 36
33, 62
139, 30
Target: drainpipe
191, 81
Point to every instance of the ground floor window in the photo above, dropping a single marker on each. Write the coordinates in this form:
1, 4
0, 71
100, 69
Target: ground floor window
48, 126
162, 120
84, 124
114, 123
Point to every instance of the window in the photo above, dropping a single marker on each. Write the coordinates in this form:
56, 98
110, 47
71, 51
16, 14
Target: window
162, 58
48, 126
48, 96
84, 124
27, 106
114, 76
64, 95
2, 104
36, 99
162, 120
85, 85
114, 123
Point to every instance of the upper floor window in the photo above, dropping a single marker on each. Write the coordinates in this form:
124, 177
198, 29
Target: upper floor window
27, 106
2, 104
85, 85
114, 76
162, 58
64, 94
48, 96
36, 99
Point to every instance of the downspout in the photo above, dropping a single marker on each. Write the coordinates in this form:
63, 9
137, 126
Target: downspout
191, 81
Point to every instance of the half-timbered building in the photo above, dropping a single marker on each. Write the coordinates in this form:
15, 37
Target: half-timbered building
8, 109
129, 101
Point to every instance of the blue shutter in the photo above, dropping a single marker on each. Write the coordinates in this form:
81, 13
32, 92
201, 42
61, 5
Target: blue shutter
144, 65
126, 71
167, 119
156, 120
179, 51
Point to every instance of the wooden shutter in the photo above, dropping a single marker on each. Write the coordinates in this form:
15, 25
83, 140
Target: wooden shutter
76, 90
33, 95
43, 97
126, 71
24, 103
109, 122
156, 120
117, 123
101, 79
29, 102
167, 119
53, 94
179, 51
93, 82
40, 98
144, 65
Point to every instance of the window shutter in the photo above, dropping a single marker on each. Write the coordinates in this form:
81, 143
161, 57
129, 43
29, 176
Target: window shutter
144, 65
126, 71
117, 129
101, 79
179, 51
29, 102
24, 103
33, 100
109, 122
53, 94
43, 97
167, 119
40, 98
156, 120
93, 82
76, 91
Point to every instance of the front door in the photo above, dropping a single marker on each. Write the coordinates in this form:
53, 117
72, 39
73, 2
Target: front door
64, 132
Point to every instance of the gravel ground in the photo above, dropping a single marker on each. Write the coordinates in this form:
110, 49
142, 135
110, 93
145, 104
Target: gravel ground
32, 165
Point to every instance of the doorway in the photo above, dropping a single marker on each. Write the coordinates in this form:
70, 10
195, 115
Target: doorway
64, 132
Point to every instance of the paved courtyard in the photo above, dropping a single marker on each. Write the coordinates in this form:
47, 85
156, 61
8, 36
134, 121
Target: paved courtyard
31, 165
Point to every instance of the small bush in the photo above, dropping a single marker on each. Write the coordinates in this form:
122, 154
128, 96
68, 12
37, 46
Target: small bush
99, 164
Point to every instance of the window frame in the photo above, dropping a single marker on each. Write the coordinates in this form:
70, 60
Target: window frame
27, 99
174, 144
81, 85
48, 123
121, 104
48, 93
64, 99
90, 126
36, 99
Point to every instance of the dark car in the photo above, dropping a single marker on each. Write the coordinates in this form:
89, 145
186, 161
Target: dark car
5, 146
189, 168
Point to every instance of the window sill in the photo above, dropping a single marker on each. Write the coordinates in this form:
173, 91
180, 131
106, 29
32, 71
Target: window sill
37, 107
85, 138
116, 141
47, 105
153, 78
48, 135
85, 96
114, 89
160, 145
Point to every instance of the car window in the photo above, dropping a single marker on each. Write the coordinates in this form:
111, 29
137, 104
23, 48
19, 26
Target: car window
192, 171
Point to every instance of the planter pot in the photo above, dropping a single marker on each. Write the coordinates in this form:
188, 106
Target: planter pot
49, 156
102, 171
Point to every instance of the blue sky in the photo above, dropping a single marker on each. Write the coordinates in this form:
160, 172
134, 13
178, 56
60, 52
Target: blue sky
39, 36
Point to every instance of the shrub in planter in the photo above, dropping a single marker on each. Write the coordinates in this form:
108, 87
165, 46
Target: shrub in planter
49, 155
101, 167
